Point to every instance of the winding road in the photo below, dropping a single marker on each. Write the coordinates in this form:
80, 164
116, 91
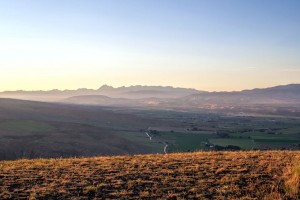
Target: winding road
165, 149
148, 135
150, 138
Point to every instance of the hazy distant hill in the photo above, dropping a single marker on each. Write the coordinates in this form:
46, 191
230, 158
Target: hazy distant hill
51, 95
279, 95
123, 102
132, 92
165, 97
288, 94
98, 100
137, 92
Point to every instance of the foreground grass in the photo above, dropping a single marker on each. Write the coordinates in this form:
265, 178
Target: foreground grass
203, 175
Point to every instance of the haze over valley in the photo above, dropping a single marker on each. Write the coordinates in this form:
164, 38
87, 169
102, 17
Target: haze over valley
284, 97
150, 99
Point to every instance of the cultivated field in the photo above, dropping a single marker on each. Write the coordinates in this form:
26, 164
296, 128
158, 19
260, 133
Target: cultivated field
202, 175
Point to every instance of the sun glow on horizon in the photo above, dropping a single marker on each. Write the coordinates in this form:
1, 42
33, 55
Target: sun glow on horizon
206, 45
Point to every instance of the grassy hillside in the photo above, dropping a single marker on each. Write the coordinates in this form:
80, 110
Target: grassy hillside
203, 175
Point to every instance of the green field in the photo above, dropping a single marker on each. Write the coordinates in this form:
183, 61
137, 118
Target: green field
246, 144
262, 138
182, 142
26, 126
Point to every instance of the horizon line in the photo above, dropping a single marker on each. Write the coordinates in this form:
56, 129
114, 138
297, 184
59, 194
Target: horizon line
164, 86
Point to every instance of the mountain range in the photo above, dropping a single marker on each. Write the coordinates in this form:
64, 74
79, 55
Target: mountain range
131, 92
164, 97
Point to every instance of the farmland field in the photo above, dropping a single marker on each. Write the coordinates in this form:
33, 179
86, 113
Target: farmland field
35, 129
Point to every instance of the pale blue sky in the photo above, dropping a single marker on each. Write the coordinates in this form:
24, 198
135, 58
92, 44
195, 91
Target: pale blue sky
208, 44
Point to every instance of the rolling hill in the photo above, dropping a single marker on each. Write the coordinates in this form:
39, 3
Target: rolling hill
31, 129
276, 100
288, 94
166, 97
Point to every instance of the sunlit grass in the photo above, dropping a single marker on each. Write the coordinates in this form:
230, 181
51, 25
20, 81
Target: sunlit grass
201, 175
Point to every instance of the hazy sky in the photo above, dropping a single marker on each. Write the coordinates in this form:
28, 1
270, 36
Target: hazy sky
208, 44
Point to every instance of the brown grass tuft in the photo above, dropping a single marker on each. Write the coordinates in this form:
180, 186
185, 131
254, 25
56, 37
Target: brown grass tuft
292, 181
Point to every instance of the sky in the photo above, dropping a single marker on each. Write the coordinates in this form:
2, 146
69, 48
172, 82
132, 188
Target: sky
213, 45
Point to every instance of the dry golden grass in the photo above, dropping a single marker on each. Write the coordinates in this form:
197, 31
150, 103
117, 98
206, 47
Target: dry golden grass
203, 175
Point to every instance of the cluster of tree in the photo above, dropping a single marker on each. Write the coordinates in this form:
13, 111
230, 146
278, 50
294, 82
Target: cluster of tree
227, 148
193, 129
222, 134
153, 132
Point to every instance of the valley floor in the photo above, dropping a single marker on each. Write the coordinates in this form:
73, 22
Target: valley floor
201, 175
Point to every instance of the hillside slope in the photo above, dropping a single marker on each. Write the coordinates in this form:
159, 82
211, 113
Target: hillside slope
203, 175
34, 129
